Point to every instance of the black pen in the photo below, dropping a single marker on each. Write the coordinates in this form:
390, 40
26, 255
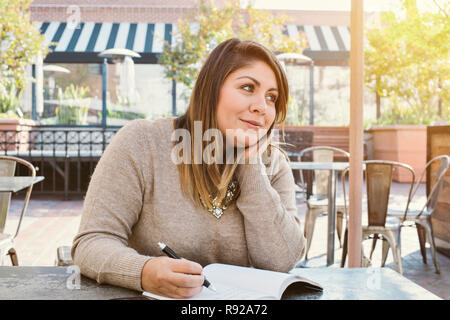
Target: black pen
170, 253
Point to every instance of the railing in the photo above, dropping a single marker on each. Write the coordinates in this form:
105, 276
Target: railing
65, 156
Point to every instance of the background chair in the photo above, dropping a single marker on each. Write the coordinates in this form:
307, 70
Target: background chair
294, 142
7, 169
317, 204
378, 176
420, 215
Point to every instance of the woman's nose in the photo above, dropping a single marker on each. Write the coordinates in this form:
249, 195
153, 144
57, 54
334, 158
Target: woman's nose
259, 105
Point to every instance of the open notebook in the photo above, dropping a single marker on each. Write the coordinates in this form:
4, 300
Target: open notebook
242, 283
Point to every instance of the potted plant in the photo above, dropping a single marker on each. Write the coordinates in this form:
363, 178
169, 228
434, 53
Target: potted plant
14, 130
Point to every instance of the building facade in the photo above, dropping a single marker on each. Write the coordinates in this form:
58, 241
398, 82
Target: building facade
79, 30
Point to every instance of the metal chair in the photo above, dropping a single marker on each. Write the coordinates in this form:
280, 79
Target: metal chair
420, 216
7, 168
378, 176
317, 204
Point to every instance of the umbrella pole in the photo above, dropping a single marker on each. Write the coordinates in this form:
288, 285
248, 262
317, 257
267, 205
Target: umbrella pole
311, 93
104, 91
356, 135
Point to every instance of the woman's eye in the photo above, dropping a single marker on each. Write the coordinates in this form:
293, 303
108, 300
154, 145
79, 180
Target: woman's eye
272, 97
247, 87
250, 88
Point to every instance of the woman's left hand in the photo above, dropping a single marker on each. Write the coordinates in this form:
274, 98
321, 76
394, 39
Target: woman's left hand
253, 153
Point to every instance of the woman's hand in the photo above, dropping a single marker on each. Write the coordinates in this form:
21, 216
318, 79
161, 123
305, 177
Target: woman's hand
254, 152
174, 278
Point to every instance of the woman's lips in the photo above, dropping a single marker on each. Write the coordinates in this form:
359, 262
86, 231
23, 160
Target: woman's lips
252, 124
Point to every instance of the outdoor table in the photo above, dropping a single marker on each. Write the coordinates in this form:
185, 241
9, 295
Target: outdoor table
334, 168
14, 184
60, 283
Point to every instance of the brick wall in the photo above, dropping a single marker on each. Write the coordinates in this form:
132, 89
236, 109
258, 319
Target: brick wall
168, 11
119, 12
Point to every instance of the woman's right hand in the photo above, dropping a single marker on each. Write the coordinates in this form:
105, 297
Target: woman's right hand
174, 278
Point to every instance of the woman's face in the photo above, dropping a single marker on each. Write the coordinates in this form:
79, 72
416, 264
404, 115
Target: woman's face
246, 107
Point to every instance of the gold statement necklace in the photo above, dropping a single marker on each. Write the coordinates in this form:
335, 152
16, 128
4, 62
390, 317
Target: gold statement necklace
218, 207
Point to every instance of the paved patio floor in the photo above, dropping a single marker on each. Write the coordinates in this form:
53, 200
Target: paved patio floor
50, 223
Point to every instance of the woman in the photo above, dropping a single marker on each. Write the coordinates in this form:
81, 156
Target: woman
207, 211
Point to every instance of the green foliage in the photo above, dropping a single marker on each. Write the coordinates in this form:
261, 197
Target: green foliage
9, 100
20, 41
74, 105
407, 62
182, 61
127, 115
404, 115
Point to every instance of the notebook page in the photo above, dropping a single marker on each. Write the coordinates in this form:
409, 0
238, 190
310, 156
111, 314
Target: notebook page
268, 283
224, 292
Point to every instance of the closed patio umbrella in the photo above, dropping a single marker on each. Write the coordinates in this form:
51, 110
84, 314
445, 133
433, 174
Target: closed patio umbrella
127, 84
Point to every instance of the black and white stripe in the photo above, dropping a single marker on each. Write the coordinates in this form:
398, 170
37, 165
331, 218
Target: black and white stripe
323, 38
96, 37
324, 42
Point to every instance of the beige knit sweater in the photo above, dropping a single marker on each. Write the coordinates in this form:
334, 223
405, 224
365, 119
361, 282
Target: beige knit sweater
134, 200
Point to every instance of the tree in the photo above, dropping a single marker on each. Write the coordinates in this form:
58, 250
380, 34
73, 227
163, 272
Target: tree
182, 60
20, 43
407, 62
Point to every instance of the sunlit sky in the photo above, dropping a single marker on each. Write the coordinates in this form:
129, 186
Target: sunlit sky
339, 5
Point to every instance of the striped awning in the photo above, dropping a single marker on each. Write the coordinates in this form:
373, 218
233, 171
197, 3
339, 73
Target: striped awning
90, 38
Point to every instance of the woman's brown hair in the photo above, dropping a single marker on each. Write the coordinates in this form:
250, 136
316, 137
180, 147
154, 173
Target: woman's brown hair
200, 181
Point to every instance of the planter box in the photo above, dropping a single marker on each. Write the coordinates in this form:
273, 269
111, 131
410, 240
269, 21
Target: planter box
402, 143
18, 138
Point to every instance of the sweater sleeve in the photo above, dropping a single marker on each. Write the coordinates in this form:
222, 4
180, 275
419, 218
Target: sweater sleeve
267, 202
112, 207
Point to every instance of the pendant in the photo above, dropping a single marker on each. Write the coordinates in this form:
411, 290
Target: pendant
217, 212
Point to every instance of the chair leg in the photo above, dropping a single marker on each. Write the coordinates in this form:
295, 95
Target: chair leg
374, 243
339, 224
385, 252
399, 260
397, 249
365, 262
430, 236
422, 240
13, 255
394, 242
344, 248
310, 222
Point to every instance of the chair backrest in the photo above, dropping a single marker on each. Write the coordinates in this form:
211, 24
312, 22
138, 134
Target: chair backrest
435, 188
293, 142
378, 176
322, 154
321, 176
7, 169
